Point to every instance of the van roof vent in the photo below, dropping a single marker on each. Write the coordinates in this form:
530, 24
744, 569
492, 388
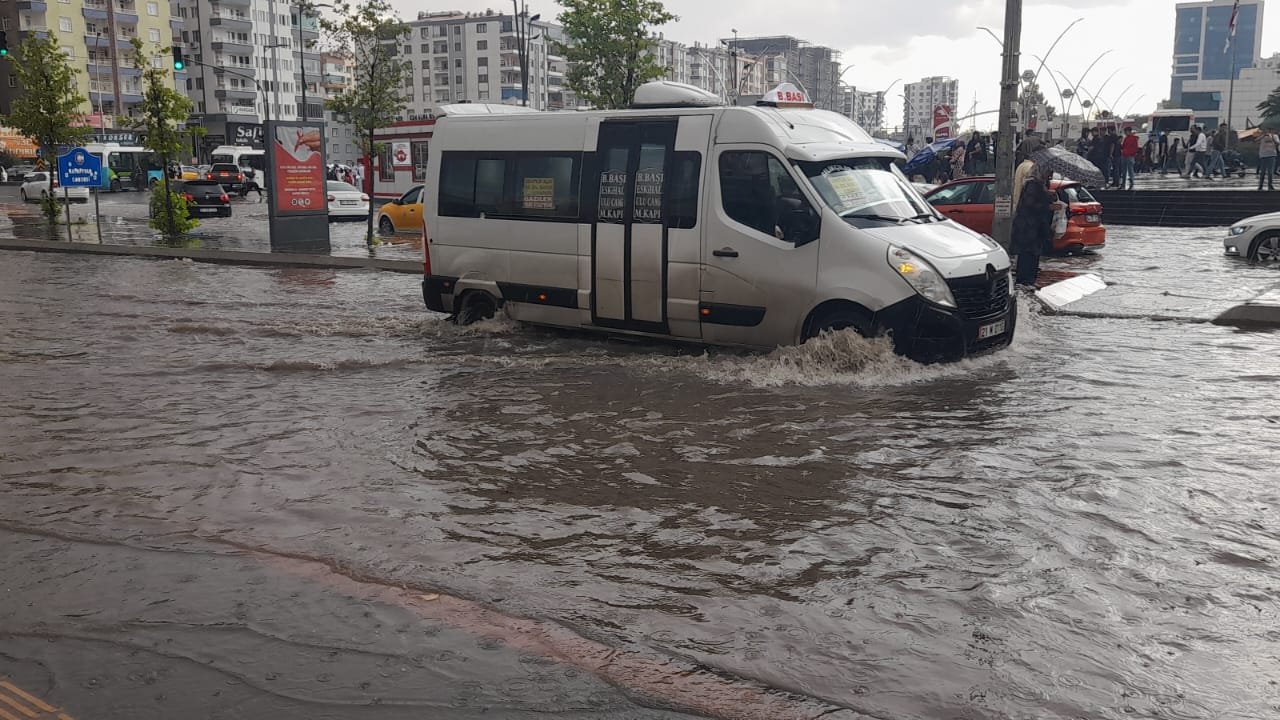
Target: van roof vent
667, 94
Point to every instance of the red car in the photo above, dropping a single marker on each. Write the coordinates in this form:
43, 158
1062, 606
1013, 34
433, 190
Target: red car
970, 202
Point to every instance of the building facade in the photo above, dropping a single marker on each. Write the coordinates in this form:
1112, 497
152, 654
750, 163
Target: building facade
783, 58
335, 79
1210, 98
920, 100
1206, 58
97, 36
863, 107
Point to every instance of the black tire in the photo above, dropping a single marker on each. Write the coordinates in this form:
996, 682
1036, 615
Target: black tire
154, 182
115, 185
839, 319
386, 227
1266, 249
476, 306
23, 193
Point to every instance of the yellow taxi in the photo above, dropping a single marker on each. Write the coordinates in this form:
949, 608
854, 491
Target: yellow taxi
187, 172
404, 214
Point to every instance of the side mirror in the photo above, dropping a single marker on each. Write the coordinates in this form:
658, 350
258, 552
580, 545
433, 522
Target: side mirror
799, 220
394, 202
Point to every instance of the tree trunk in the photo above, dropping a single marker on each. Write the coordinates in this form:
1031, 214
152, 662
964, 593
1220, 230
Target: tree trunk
170, 229
368, 161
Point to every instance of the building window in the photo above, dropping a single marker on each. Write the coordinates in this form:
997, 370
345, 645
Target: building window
482, 62
64, 24
482, 44
424, 48
153, 9
533, 186
484, 95
482, 27
457, 47
426, 64
457, 79
457, 29
457, 62
154, 35
441, 48
13, 81
408, 49
483, 79
419, 153
386, 170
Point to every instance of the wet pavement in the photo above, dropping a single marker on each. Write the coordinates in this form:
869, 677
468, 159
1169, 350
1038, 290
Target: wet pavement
124, 222
230, 492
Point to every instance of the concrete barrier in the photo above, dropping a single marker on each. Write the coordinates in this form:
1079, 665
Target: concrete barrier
227, 257
1183, 208
1262, 311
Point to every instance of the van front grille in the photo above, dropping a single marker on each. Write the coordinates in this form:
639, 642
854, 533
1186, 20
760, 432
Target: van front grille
978, 297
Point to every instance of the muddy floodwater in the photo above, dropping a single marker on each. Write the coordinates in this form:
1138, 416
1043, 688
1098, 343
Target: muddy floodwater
1086, 525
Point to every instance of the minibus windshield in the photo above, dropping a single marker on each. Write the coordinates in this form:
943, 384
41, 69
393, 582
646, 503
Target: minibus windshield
867, 189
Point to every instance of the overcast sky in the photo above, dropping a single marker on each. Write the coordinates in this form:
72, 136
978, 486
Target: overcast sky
911, 39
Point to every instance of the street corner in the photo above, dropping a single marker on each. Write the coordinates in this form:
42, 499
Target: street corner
19, 704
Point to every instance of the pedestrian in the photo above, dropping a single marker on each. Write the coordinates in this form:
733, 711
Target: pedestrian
1172, 158
958, 156
1217, 149
1032, 231
1025, 166
974, 153
1162, 145
1113, 156
1197, 146
1268, 148
1084, 143
1128, 156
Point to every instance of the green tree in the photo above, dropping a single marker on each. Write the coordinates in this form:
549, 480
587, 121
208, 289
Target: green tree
368, 34
159, 115
1270, 109
48, 108
608, 48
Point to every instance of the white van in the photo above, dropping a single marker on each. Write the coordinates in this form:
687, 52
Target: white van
252, 161
682, 218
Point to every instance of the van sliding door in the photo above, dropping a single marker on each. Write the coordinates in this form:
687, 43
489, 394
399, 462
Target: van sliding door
629, 230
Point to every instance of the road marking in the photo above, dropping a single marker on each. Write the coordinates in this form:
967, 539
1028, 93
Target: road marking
25, 696
15, 698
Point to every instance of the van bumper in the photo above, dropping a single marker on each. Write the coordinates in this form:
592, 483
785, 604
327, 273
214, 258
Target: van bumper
929, 333
437, 292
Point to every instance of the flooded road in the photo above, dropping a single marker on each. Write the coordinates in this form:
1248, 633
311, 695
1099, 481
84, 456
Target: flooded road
299, 489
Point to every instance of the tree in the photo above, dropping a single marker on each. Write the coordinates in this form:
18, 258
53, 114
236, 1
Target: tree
159, 114
368, 34
48, 109
1270, 109
608, 48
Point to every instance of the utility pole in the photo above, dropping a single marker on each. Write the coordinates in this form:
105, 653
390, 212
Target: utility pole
1003, 221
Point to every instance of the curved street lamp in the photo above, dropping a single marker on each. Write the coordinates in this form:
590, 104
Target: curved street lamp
1085, 74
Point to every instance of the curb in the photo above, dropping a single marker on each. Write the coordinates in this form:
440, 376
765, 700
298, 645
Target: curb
226, 257
1262, 311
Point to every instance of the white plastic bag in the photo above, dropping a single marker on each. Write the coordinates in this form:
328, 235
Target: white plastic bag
1059, 222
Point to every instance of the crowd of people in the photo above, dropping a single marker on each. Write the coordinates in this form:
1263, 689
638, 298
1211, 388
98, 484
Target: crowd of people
347, 174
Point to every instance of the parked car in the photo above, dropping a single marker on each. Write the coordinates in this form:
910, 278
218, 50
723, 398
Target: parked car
204, 197
1256, 238
971, 202
35, 186
346, 201
19, 172
189, 172
229, 176
404, 214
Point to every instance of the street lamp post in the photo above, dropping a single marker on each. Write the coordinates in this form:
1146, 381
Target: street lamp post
305, 6
522, 23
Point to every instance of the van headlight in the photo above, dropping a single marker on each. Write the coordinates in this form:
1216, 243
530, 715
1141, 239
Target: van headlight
921, 276
1238, 230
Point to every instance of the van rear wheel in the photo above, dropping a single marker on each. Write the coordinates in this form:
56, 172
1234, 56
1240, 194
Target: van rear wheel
476, 306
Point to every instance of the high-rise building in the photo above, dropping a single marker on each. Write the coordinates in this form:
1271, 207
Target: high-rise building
97, 36
921, 100
782, 58
1206, 58
865, 107
247, 65
335, 79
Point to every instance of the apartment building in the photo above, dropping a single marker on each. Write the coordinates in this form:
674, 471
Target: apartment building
97, 35
335, 78
920, 100
783, 58
863, 107
248, 65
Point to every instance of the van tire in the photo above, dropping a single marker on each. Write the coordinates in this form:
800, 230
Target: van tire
840, 318
477, 305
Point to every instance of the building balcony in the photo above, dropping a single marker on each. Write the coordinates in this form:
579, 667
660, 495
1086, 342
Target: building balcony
232, 3
232, 24
235, 94
42, 33
32, 6
176, 24
125, 18
96, 41
235, 70
121, 70
230, 46
127, 96
94, 14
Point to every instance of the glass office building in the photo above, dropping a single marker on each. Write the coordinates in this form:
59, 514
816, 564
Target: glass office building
1201, 47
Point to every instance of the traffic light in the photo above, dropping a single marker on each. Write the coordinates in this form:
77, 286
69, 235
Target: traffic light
4, 44
179, 62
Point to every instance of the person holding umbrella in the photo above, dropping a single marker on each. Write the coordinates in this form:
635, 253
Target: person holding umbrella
1033, 224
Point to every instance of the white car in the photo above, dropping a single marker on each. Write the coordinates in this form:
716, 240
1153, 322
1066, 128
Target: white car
1256, 238
346, 201
35, 186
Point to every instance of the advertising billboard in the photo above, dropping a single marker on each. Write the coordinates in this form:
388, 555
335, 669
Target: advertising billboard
246, 134
297, 170
941, 122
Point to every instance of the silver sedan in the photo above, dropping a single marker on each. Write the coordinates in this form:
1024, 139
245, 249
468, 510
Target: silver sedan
1256, 238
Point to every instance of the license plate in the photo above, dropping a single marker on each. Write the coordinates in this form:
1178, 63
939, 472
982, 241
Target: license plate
1093, 218
992, 330
350, 202
208, 210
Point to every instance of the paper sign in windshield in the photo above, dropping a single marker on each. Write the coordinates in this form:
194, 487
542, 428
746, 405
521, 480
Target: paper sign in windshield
850, 194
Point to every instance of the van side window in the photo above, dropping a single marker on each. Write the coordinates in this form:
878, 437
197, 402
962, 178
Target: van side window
512, 186
682, 213
757, 190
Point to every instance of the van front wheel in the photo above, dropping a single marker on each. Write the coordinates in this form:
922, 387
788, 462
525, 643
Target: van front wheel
476, 306
840, 318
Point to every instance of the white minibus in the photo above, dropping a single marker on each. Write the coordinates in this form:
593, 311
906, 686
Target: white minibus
682, 218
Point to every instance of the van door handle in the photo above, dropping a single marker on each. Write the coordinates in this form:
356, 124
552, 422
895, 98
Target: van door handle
725, 252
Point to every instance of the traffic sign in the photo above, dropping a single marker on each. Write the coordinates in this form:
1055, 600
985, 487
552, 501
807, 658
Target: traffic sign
79, 168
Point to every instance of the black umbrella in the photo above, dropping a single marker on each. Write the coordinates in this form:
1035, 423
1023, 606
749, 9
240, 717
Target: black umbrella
1069, 165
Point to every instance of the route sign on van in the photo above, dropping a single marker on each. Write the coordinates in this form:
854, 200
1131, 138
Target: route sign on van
787, 95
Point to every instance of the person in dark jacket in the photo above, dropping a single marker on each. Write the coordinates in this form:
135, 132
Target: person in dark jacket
1032, 233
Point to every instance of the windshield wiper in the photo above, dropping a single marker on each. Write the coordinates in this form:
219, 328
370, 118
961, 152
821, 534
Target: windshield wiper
872, 216
923, 216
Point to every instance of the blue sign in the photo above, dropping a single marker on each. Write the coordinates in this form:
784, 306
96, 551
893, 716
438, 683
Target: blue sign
79, 168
